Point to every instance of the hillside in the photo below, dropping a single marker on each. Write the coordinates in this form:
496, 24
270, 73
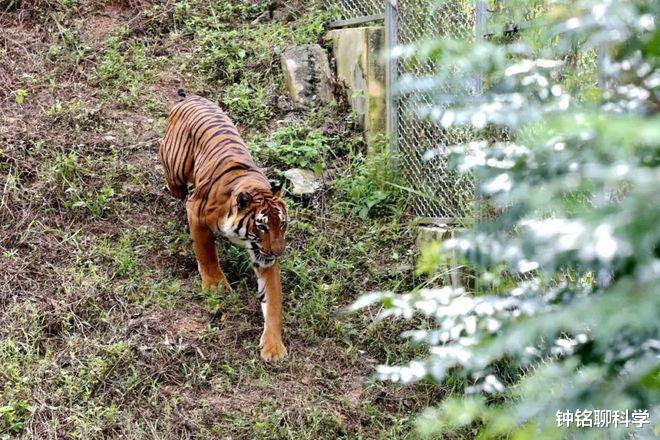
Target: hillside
104, 329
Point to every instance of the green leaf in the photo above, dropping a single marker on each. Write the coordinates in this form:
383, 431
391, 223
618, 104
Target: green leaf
21, 94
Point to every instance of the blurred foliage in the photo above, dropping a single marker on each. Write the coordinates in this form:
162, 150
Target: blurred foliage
564, 313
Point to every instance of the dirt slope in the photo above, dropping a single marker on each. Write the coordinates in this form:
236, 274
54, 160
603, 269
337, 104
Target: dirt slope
103, 329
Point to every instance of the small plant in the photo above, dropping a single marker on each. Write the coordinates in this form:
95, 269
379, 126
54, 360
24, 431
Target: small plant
312, 26
246, 104
21, 94
67, 4
76, 114
125, 68
124, 256
65, 169
295, 147
221, 55
67, 44
96, 202
14, 416
369, 185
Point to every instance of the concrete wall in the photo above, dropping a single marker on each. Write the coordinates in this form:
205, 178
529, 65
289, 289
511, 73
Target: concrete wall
357, 52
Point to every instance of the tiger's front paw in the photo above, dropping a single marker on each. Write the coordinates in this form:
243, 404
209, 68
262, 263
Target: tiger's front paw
216, 286
272, 348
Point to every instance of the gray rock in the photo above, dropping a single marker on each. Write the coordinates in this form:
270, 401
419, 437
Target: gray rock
283, 103
283, 14
304, 181
265, 17
307, 75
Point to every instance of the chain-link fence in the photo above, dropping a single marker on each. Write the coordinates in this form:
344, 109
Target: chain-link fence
356, 9
437, 193
440, 193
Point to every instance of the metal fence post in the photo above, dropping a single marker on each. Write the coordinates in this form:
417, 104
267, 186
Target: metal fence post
391, 75
480, 30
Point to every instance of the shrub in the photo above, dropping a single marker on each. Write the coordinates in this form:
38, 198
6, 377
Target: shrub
369, 185
247, 104
293, 146
564, 314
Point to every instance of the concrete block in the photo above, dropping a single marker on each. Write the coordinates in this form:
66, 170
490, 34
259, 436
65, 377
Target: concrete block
307, 75
429, 234
357, 52
454, 272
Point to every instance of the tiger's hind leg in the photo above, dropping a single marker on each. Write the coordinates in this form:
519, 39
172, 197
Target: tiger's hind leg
207, 256
177, 191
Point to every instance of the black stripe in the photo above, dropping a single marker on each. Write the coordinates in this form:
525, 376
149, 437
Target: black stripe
253, 170
206, 153
211, 119
185, 158
240, 166
192, 137
210, 185
181, 130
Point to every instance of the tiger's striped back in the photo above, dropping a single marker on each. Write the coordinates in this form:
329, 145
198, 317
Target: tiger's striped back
202, 147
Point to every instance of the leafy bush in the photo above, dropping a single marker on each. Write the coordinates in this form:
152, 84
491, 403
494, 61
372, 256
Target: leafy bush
68, 46
14, 416
227, 54
124, 69
222, 56
564, 315
247, 104
369, 185
294, 146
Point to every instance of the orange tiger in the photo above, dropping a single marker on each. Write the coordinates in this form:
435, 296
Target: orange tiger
230, 196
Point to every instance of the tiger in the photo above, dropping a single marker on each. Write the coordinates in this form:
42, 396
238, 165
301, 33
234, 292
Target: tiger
229, 196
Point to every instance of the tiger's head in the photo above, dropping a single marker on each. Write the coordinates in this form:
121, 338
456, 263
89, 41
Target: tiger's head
262, 223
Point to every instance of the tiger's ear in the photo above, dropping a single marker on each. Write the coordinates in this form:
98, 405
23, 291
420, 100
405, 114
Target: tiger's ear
243, 200
276, 187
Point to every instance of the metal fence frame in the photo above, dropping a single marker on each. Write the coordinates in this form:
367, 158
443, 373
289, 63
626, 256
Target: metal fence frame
438, 195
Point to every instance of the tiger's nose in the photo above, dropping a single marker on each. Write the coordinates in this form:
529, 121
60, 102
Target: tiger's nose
277, 251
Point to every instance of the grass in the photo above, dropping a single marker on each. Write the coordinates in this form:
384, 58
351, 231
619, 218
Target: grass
104, 330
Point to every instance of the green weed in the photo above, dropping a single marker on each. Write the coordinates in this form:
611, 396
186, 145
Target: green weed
68, 46
14, 416
294, 146
77, 114
21, 94
366, 185
221, 57
247, 104
65, 169
125, 68
124, 256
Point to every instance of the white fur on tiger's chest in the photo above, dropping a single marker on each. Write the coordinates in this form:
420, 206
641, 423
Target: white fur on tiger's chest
239, 238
